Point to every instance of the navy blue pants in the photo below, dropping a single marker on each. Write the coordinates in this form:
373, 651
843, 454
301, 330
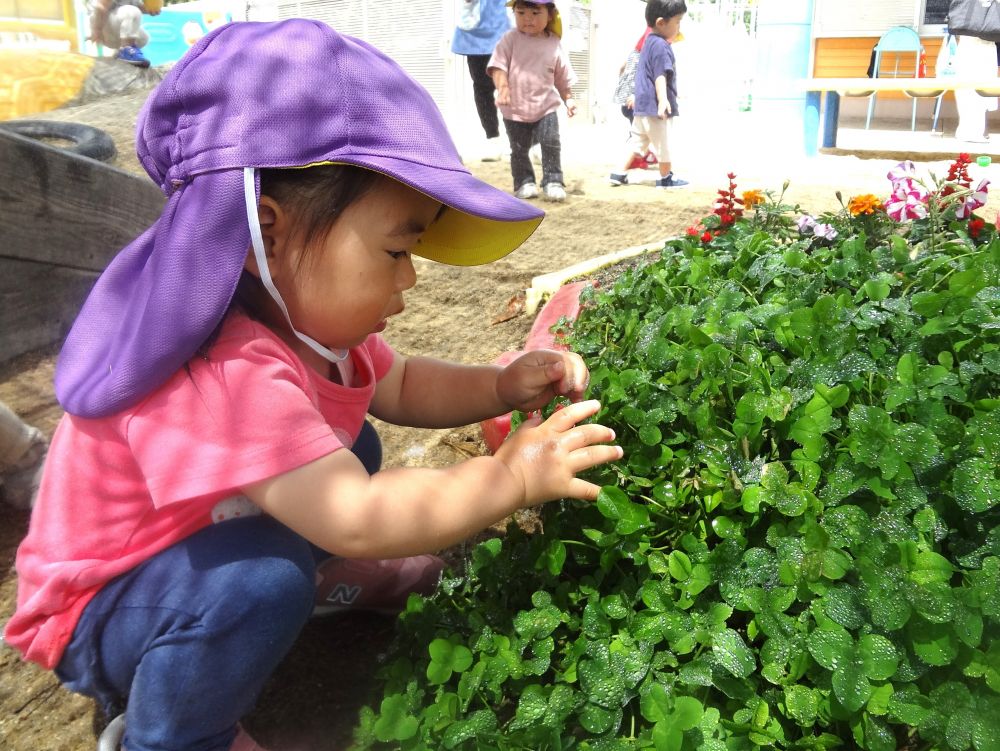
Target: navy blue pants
522, 137
185, 642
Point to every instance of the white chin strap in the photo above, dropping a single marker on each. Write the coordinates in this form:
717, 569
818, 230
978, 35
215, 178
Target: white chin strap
250, 195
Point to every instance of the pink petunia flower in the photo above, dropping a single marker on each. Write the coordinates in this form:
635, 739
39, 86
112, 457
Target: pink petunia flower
973, 201
904, 205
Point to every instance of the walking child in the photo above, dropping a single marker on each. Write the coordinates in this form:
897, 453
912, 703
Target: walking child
118, 24
481, 24
656, 93
533, 77
215, 451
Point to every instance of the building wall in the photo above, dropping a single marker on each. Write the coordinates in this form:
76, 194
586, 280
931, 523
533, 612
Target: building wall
844, 32
417, 34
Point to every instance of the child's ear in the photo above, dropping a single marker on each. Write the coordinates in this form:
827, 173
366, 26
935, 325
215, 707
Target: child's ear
273, 228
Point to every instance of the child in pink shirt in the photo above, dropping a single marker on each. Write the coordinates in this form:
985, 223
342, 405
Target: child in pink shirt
533, 77
215, 460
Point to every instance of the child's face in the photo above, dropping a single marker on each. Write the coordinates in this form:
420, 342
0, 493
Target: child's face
347, 288
531, 19
669, 28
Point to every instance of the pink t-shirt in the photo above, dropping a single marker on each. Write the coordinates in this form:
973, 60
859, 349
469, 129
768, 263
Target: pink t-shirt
117, 490
537, 70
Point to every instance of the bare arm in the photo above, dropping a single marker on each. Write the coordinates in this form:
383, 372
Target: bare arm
336, 505
662, 102
569, 101
502, 85
423, 392
428, 393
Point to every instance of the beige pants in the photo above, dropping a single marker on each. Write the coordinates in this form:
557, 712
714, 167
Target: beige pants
124, 22
22, 449
651, 133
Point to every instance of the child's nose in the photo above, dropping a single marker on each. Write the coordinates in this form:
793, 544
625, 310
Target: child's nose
407, 276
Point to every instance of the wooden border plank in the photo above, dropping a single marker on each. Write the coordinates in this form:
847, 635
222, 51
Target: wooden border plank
68, 210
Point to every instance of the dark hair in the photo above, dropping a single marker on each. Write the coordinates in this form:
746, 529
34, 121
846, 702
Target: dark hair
315, 197
666, 9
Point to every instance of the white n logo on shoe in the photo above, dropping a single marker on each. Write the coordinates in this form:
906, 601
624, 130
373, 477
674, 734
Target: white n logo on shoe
344, 594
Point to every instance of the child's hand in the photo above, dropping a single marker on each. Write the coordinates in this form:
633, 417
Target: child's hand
503, 96
570, 107
537, 377
546, 456
663, 110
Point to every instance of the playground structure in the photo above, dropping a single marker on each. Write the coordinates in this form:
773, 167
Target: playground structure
46, 60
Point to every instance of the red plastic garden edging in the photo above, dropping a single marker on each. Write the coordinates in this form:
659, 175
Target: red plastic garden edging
565, 303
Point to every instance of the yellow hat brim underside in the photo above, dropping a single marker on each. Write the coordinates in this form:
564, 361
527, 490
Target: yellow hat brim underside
555, 24
461, 239
458, 238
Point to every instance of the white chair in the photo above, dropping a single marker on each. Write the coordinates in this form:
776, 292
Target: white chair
897, 55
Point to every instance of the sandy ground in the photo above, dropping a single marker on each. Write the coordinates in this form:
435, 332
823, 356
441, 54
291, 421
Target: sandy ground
454, 313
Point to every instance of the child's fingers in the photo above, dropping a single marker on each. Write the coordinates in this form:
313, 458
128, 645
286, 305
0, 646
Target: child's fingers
571, 414
591, 456
575, 378
585, 491
587, 435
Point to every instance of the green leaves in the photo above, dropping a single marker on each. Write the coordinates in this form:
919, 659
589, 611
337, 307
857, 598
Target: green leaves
732, 653
800, 548
853, 664
447, 658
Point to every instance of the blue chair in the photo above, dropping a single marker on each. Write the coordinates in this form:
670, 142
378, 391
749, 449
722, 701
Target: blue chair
897, 55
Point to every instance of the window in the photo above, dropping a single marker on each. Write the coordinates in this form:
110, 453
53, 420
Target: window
935, 11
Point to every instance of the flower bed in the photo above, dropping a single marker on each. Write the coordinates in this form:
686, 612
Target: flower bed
801, 546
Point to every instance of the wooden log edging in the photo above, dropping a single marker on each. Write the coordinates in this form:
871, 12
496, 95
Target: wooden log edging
62, 219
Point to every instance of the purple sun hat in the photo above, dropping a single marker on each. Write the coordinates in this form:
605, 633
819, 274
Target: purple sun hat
254, 95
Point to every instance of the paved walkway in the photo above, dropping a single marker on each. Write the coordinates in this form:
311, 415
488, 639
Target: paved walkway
708, 146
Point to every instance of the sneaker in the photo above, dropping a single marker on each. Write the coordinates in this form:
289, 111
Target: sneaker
114, 733
494, 150
671, 182
554, 192
111, 738
383, 586
133, 55
526, 191
618, 178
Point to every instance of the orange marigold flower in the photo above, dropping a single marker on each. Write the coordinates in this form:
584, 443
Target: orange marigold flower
752, 197
864, 204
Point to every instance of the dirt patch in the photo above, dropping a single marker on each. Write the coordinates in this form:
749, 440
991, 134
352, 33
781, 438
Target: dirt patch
312, 700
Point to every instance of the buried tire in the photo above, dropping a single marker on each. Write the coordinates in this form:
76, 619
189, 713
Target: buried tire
84, 140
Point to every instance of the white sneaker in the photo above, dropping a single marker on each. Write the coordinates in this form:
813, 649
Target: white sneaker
554, 192
494, 150
528, 190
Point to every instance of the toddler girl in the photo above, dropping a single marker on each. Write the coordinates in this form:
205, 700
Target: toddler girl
533, 76
217, 379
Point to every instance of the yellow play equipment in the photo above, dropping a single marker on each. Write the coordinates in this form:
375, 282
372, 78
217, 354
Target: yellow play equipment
43, 23
40, 64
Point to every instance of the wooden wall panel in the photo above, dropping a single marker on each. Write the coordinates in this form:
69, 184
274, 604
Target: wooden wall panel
848, 57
